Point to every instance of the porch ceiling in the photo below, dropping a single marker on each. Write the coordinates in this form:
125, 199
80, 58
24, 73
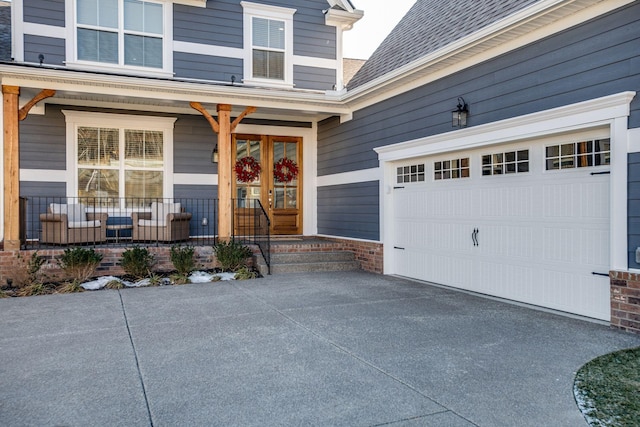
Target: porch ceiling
166, 95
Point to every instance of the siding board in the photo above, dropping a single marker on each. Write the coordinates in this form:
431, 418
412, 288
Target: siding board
53, 49
350, 210
47, 12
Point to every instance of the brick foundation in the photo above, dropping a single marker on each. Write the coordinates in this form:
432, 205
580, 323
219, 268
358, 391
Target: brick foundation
625, 300
13, 263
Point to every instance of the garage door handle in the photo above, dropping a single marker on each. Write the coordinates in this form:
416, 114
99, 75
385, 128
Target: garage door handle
474, 237
398, 247
595, 273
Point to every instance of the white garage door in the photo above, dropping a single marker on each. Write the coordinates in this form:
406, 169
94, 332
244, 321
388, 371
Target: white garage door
527, 222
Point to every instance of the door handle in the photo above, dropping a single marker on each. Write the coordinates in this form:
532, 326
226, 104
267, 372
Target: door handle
474, 237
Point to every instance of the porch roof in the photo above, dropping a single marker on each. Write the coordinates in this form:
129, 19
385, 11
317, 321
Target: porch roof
107, 90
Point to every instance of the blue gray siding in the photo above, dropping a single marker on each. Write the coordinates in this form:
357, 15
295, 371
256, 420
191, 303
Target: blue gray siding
350, 210
219, 24
53, 49
43, 140
311, 37
47, 12
201, 201
314, 78
204, 67
193, 142
595, 59
633, 208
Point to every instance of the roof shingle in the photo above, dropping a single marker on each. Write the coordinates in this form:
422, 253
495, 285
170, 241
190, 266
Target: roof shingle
430, 25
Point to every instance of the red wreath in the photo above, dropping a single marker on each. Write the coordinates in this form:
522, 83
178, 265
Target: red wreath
247, 169
285, 170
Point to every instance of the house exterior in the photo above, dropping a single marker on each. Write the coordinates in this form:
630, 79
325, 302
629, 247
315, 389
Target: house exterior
534, 198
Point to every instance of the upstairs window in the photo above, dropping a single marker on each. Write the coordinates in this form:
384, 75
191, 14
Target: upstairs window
121, 32
268, 48
268, 45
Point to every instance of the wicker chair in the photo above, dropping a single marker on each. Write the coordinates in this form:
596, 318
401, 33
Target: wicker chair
66, 224
166, 222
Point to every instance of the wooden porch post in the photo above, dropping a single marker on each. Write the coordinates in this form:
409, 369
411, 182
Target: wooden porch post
12, 115
223, 127
224, 172
10, 95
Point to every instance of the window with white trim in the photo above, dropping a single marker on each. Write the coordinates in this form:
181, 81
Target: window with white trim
451, 169
581, 154
128, 159
505, 163
412, 173
268, 44
126, 33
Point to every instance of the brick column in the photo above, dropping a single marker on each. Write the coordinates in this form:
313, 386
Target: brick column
625, 300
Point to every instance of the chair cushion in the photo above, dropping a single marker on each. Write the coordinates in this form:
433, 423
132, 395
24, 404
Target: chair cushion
75, 212
84, 224
159, 211
151, 223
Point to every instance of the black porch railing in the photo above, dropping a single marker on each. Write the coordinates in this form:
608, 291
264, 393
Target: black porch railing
111, 221
49, 222
251, 225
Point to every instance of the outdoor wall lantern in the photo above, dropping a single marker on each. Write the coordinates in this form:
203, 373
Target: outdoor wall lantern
214, 154
459, 115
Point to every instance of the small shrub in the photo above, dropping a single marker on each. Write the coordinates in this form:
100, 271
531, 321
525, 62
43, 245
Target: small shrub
182, 259
179, 279
34, 289
114, 284
155, 280
232, 255
137, 262
244, 273
3, 294
71, 287
26, 272
79, 263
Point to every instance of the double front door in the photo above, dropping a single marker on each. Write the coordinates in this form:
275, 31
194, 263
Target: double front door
268, 169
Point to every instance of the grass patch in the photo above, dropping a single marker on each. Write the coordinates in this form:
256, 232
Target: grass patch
607, 389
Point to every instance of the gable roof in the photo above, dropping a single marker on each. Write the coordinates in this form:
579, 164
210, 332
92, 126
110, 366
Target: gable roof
430, 25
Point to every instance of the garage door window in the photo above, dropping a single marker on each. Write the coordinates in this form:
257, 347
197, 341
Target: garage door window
505, 163
413, 173
578, 154
451, 169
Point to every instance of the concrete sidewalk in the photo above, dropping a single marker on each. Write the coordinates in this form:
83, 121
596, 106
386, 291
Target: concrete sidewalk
345, 349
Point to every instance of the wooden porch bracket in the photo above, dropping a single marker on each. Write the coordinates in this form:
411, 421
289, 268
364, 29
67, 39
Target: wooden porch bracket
44, 94
223, 127
12, 115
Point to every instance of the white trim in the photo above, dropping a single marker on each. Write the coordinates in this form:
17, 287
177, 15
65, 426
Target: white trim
592, 113
363, 175
44, 30
120, 121
251, 10
209, 50
43, 175
195, 179
611, 111
71, 50
17, 30
310, 61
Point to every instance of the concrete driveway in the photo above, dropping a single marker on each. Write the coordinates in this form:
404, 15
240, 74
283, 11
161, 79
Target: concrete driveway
338, 349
